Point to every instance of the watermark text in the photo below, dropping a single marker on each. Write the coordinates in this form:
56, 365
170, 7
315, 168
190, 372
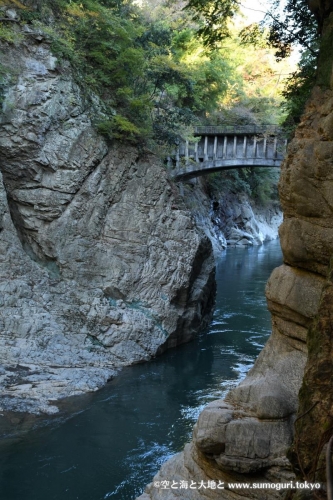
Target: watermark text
221, 485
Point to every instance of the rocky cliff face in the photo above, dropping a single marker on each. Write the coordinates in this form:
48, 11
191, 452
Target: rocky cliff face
309, 209
231, 219
101, 265
244, 223
246, 437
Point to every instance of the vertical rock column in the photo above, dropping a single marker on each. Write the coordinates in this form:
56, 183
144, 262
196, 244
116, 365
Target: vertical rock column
307, 238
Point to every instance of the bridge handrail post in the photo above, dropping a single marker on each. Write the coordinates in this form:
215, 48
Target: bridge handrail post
177, 156
224, 154
223, 149
254, 147
196, 152
244, 146
215, 148
234, 150
206, 148
186, 152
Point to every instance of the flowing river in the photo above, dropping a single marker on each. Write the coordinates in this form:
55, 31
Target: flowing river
115, 440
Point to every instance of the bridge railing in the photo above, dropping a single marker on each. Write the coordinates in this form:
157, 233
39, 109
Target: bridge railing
239, 129
236, 147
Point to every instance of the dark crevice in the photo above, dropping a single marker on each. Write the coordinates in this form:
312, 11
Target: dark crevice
29, 245
40, 186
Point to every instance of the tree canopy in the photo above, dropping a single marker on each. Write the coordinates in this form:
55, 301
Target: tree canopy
156, 72
300, 21
156, 78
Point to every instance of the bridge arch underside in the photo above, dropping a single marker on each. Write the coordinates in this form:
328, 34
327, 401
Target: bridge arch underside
197, 169
226, 151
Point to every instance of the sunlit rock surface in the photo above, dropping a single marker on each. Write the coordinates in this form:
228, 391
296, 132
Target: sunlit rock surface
101, 265
231, 219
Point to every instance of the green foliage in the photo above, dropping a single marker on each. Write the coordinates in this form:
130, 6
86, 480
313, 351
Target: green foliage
119, 127
213, 17
263, 184
131, 65
155, 77
285, 25
169, 125
227, 181
6, 33
104, 50
9, 33
294, 24
62, 46
259, 183
255, 84
12, 4
297, 90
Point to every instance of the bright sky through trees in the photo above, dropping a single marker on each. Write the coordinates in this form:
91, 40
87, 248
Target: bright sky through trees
254, 10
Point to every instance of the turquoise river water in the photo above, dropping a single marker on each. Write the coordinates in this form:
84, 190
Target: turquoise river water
109, 444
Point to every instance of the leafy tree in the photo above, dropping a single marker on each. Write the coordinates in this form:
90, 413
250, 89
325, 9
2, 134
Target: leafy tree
298, 88
213, 17
296, 23
259, 183
254, 93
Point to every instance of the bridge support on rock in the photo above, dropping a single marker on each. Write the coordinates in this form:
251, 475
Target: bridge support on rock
219, 148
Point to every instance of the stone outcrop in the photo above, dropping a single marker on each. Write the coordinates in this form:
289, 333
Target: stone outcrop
231, 219
244, 223
101, 264
245, 438
312, 249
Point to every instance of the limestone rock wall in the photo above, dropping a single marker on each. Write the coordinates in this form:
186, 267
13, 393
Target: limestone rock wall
246, 437
101, 264
312, 248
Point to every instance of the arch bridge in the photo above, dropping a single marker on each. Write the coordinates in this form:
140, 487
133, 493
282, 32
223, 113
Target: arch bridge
227, 147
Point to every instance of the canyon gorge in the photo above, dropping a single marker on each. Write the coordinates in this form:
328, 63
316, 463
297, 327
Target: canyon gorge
106, 262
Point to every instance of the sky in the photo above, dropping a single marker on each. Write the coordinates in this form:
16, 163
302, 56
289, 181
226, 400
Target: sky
254, 9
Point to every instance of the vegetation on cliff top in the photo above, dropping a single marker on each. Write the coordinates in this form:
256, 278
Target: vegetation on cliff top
155, 76
286, 25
